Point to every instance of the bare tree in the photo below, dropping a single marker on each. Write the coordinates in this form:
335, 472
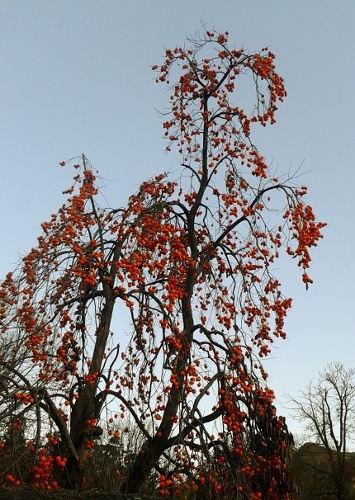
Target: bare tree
327, 407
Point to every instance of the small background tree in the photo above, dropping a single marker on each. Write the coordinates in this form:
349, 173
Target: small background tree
327, 409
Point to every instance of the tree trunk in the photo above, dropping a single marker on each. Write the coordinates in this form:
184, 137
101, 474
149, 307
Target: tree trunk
142, 466
81, 433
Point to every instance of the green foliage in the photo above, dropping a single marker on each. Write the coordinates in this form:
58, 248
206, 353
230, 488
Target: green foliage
311, 472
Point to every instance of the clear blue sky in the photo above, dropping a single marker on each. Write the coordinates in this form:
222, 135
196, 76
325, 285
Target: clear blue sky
75, 78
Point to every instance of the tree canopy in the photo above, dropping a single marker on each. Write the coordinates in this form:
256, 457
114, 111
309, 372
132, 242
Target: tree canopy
190, 259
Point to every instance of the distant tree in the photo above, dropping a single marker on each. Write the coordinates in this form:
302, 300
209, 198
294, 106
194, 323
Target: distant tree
191, 261
327, 408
